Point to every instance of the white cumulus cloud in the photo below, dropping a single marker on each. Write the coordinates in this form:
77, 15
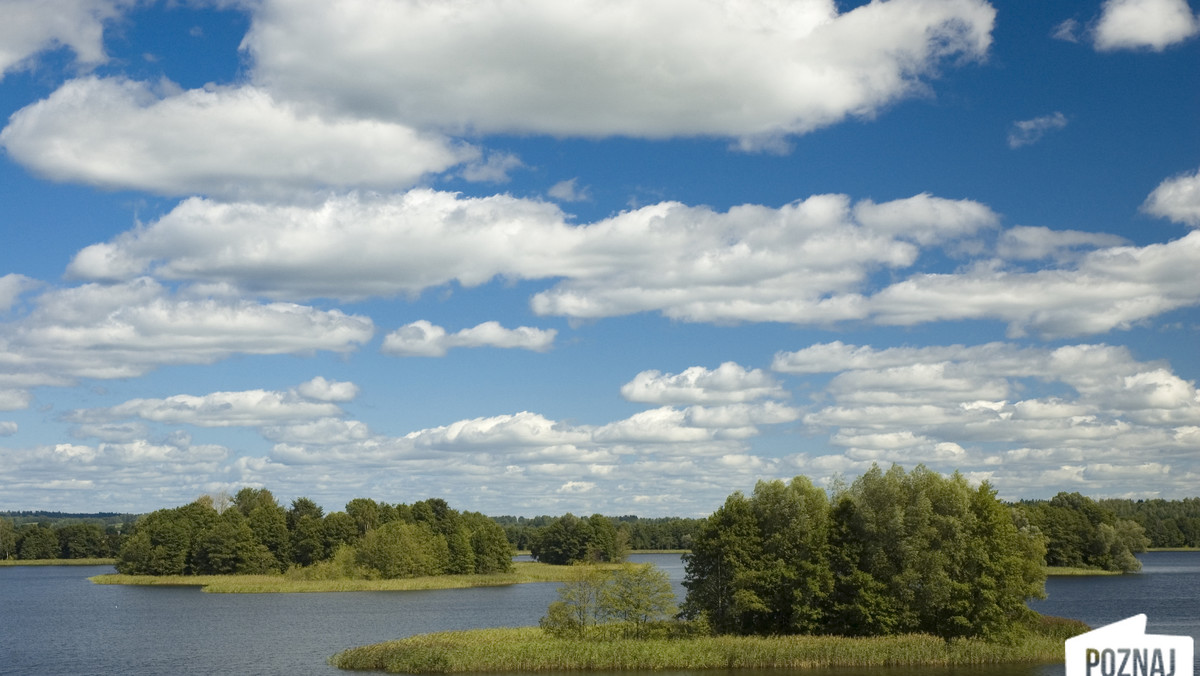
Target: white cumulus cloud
728, 383
33, 26
1144, 24
224, 141
1028, 132
580, 67
424, 339
1176, 198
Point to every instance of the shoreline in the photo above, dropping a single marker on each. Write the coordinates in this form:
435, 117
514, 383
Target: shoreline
57, 562
524, 572
530, 649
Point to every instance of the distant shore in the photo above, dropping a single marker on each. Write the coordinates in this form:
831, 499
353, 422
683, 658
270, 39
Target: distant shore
530, 649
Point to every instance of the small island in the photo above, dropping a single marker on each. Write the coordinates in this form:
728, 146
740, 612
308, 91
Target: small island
898, 568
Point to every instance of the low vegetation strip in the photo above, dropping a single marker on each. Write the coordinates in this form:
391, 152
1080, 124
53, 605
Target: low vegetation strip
57, 562
523, 572
532, 649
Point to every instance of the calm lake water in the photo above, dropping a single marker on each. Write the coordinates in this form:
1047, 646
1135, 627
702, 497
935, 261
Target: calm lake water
53, 621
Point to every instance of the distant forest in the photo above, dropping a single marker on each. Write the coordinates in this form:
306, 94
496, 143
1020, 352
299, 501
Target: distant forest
1079, 531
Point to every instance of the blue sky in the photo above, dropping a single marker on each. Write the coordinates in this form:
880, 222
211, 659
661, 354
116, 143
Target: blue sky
538, 256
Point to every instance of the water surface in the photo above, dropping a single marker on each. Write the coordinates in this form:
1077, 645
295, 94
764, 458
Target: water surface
53, 621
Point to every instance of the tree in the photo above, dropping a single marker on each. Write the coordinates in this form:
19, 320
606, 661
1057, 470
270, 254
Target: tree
632, 597
399, 549
578, 605
83, 541
569, 539
895, 552
638, 595
8, 539
229, 546
37, 542
493, 553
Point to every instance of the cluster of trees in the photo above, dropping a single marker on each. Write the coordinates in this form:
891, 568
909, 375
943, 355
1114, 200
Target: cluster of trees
67, 540
253, 533
894, 552
1083, 533
571, 539
639, 533
631, 599
1167, 523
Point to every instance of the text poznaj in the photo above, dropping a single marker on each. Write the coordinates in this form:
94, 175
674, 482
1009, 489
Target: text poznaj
1125, 649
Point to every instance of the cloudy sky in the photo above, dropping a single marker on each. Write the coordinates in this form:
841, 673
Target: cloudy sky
618, 256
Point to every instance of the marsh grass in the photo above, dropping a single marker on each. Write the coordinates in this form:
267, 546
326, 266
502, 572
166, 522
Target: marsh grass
57, 562
523, 572
531, 649
1067, 571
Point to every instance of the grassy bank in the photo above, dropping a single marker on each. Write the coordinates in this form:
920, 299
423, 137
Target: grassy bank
531, 649
1067, 571
57, 562
523, 572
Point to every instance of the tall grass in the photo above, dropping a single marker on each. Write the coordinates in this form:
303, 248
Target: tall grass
531, 649
1068, 571
316, 579
57, 562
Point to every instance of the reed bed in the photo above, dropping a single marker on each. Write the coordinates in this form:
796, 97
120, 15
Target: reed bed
1068, 571
531, 649
57, 562
523, 572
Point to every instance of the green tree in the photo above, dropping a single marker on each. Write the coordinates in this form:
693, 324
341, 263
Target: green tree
637, 595
895, 552
37, 542
397, 549
578, 607
493, 553
229, 546
366, 514
340, 529
8, 539
83, 541
267, 519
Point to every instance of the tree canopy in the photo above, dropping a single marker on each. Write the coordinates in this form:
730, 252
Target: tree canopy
894, 552
256, 534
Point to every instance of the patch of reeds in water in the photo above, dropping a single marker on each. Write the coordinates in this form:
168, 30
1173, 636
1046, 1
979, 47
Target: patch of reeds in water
531, 649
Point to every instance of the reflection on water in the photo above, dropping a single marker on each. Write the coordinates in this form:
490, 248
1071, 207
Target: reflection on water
52, 621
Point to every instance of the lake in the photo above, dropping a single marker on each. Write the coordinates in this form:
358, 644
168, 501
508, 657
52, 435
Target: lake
53, 621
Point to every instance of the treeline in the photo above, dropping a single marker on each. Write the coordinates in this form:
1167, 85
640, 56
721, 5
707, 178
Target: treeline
1083, 533
895, 552
637, 532
69, 539
255, 534
1167, 523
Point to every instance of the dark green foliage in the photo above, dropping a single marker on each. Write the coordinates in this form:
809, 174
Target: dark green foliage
640, 533
162, 541
1167, 523
257, 535
1082, 533
493, 553
895, 552
400, 549
37, 542
229, 546
8, 539
570, 539
83, 541
307, 539
268, 522
340, 529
